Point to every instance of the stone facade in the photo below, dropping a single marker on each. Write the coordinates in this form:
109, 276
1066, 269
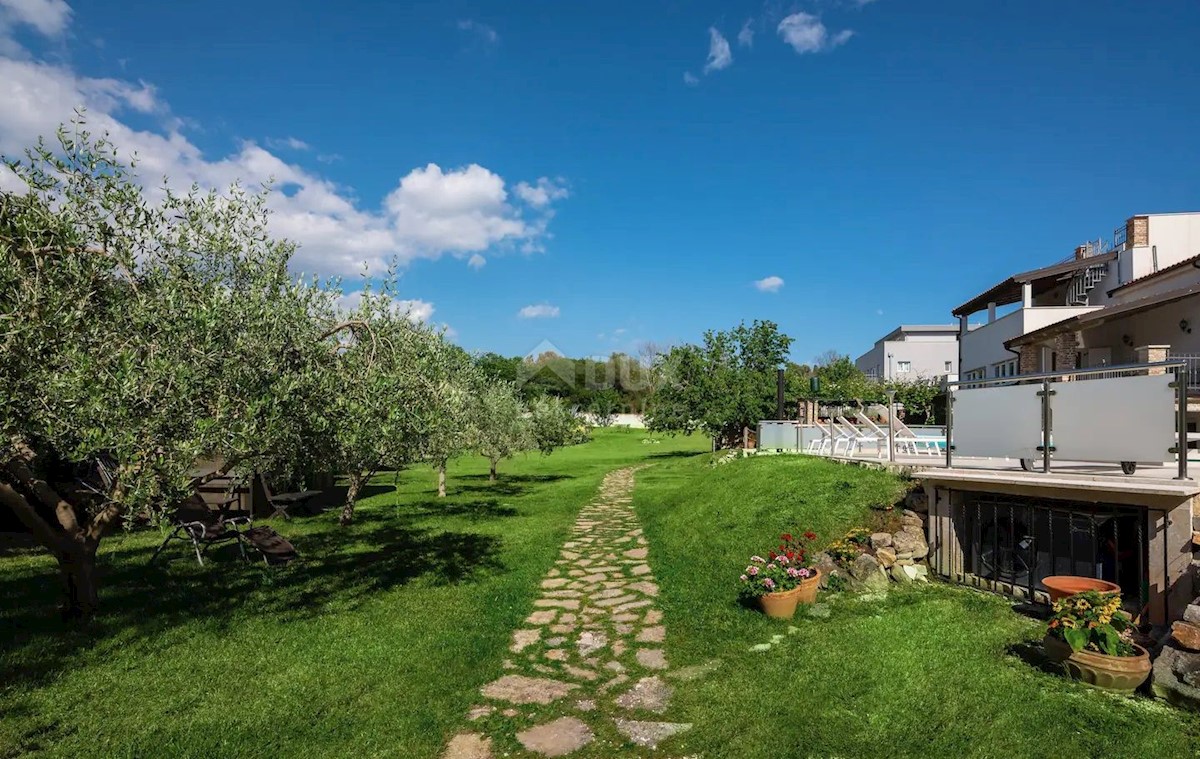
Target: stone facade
1067, 347
1027, 362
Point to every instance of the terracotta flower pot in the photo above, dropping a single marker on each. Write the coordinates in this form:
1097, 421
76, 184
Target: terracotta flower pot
782, 605
809, 586
1122, 674
1061, 586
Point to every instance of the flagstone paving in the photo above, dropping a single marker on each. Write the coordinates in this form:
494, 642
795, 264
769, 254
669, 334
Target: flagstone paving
587, 665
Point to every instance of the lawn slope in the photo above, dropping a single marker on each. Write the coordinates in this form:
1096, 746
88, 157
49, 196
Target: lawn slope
930, 671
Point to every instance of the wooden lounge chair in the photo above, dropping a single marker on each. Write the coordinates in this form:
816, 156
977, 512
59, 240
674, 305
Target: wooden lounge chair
281, 502
196, 523
273, 547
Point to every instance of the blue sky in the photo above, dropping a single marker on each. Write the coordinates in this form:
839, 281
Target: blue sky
886, 160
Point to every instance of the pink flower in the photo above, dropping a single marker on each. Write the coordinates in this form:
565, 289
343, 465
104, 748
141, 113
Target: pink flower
793, 572
770, 566
758, 560
745, 578
804, 573
769, 583
783, 560
752, 571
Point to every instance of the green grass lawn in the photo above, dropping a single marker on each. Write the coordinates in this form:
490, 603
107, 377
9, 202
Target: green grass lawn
376, 644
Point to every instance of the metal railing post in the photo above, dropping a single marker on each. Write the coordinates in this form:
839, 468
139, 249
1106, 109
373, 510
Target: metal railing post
1181, 383
1045, 425
892, 426
949, 426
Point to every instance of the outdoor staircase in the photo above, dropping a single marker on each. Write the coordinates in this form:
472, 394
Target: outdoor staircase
1084, 282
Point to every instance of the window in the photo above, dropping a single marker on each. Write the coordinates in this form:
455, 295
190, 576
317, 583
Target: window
903, 367
949, 366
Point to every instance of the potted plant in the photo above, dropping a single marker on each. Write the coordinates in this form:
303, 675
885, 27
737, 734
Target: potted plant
1061, 586
1089, 635
784, 579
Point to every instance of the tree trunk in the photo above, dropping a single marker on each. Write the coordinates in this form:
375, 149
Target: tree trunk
442, 481
492, 475
81, 596
351, 497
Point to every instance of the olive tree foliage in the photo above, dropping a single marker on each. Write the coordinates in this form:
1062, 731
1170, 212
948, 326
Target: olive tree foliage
722, 386
385, 391
502, 428
553, 425
139, 334
605, 406
451, 431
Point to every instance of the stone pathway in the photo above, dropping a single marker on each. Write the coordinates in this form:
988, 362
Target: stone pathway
588, 671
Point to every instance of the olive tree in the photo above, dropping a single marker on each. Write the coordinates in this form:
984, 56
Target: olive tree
137, 338
604, 407
502, 427
383, 392
553, 425
451, 430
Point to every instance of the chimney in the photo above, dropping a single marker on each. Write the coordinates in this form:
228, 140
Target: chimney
1137, 231
1081, 252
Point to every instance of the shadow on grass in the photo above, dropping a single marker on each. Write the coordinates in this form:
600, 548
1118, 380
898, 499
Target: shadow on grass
506, 484
674, 455
340, 569
335, 496
1034, 654
483, 509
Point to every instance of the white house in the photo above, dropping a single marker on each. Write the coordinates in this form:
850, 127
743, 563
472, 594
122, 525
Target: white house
1147, 272
913, 351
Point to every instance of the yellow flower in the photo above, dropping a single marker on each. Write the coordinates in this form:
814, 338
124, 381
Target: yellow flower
1069, 624
1083, 605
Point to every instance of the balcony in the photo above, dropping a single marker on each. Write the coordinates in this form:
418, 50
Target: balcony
984, 346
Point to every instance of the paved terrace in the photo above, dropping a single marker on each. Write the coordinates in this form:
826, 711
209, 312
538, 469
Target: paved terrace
1149, 480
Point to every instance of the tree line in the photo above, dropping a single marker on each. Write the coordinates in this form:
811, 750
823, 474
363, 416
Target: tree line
728, 383
143, 331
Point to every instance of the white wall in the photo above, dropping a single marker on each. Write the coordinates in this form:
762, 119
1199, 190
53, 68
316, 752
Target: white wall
872, 362
1177, 236
984, 346
927, 357
1173, 237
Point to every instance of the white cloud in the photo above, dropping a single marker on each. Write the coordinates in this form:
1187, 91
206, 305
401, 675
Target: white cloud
485, 33
769, 284
745, 37
476, 261
288, 143
806, 34
417, 311
432, 212
50, 17
719, 54
690, 79
543, 311
542, 193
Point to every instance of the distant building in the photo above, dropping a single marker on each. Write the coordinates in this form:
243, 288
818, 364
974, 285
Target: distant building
913, 351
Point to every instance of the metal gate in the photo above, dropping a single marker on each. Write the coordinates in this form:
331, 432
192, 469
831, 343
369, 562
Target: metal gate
1010, 544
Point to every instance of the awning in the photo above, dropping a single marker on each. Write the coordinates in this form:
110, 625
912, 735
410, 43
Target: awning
1044, 279
1094, 319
